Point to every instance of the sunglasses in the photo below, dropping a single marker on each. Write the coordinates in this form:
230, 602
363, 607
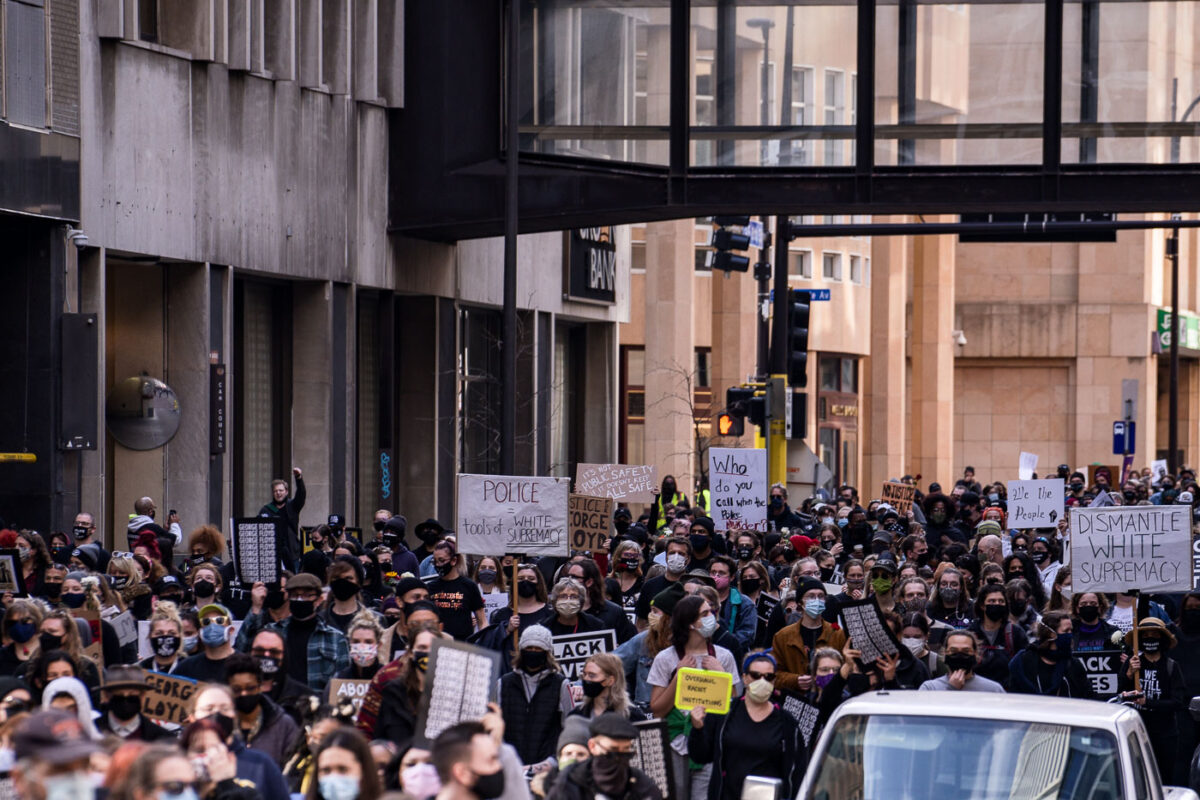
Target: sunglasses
768, 676
217, 620
122, 554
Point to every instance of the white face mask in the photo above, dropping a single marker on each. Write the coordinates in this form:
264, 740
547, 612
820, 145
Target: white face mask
914, 645
676, 563
73, 786
1066, 591
760, 690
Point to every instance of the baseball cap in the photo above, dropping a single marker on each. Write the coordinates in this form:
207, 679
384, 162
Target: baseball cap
337, 521
217, 607
52, 737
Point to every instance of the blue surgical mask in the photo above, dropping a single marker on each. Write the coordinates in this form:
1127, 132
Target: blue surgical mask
338, 787
814, 608
843, 522
187, 793
190, 643
213, 635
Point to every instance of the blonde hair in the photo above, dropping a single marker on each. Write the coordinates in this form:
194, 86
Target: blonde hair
166, 611
618, 697
71, 642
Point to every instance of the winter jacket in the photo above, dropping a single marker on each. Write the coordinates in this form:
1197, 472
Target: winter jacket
277, 734
289, 512
577, 784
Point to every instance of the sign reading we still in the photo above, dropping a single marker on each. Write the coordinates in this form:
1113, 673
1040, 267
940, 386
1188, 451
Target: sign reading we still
500, 514
1121, 548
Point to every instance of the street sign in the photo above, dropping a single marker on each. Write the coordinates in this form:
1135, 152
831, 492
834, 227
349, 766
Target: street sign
755, 231
813, 294
1124, 437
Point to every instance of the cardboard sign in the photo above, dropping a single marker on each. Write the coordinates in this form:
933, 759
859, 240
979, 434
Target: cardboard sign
460, 682
805, 714
650, 754
347, 689
167, 697
589, 519
709, 689
864, 625
126, 627
899, 496
500, 514
1027, 465
572, 650
739, 488
1102, 667
631, 483
1120, 548
10, 572
255, 547
1035, 504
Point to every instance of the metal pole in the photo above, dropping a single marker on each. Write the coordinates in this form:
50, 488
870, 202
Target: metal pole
1173, 391
508, 343
765, 114
785, 103
779, 316
762, 274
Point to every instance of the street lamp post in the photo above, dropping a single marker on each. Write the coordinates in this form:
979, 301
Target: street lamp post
764, 116
1173, 257
762, 270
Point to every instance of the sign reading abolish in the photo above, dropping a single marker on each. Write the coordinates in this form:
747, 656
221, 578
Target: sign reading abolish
708, 689
899, 496
500, 514
589, 519
348, 690
739, 488
633, 483
1035, 504
1122, 548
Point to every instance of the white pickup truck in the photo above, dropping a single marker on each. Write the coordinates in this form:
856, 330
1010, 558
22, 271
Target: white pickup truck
976, 746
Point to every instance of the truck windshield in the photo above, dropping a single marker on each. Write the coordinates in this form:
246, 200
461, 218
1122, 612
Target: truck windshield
893, 757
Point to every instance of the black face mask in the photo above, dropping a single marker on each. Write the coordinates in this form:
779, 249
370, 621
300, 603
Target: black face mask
1019, 607
302, 609
52, 591
391, 540
751, 585
246, 703
268, 664
225, 724
957, 661
61, 555
486, 576
165, 646
343, 588
49, 641
621, 525
611, 772
526, 589
1089, 614
444, 569
533, 661
489, 784
275, 599
1039, 558
378, 525
996, 613
124, 707
1151, 644
744, 553
592, 689
826, 574
204, 588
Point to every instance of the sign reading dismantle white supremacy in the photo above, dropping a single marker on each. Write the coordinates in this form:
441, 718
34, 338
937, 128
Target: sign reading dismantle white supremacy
500, 514
1120, 548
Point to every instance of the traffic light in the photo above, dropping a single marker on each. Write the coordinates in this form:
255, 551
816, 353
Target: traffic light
756, 410
797, 343
725, 242
729, 425
732, 421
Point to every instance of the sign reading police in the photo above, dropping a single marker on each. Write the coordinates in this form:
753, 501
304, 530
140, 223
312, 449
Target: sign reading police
500, 514
1120, 548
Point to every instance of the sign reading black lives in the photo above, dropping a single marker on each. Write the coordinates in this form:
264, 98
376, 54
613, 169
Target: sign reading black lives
590, 256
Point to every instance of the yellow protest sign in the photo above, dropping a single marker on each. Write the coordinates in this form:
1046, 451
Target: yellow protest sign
701, 687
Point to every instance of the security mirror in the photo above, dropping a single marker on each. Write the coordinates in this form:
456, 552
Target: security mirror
142, 413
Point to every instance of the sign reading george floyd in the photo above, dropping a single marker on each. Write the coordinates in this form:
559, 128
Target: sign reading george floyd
500, 514
589, 519
632, 483
739, 488
1035, 504
1121, 548
167, 697
591, 264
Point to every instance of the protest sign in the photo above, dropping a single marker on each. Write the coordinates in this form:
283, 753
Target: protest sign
500, 514
494, 601
126, 627
572, 650
348, 690
899, 496
629, 483
805, 714
1027, 465
167, 697
11, 581
650, 750
1158, 469
710, 689
1122, 548
864, 626
255, 544
1035, 504
1195, 563
589, 520
739, 488
1101, 667
459, 683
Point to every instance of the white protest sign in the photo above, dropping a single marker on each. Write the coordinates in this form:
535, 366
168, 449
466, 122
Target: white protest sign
1035, 504
633, 483
500, 514
1158, 469
1027, 466
494, 602
738, 480
1121, 548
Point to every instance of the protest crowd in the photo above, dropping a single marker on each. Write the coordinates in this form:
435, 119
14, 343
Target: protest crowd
384, 662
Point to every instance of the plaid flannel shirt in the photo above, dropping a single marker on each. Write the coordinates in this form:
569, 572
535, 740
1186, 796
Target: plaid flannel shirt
328, 653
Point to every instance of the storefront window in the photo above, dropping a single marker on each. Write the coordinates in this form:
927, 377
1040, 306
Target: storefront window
479, 398
633, 405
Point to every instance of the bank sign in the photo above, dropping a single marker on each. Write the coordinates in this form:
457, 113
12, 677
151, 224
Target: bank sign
590, 265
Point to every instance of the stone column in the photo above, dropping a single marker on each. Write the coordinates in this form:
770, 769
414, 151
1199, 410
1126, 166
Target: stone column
670, 348
933, 359
884, 408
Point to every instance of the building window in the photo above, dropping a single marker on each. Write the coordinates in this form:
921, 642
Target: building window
24, 63
703, 254
706, 110
802, 112
831, 266
856, 275
479, 399
839, 374
633, 405
800, 264
835, 110
637, 257
867, 271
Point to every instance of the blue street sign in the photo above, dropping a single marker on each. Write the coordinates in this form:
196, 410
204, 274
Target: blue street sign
1124, 437
813, 295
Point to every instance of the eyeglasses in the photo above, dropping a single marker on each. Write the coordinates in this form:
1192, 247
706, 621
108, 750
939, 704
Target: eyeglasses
122, 554
217, 620
762, 676
260, 652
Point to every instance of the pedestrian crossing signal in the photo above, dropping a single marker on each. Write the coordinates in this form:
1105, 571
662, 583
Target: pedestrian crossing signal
729, 425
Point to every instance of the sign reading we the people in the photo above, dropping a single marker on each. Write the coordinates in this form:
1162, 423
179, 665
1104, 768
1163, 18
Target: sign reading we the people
1121, 548
500, 514
1035, 504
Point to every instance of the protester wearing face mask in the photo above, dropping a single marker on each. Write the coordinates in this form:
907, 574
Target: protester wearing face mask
754, 738
607, 772
677, 553
216, 634
999, 638
262, 724
163, 772
315, 650
217, 751
951, 603
1061, 592
700, 535
53, 754
755, 585
1043, 551
363, 635
1046, 666
795, 643
637, 655
1163, 688
668, 497
586, 573
469, 764
457, 597
780, 516
739, 614
914, 636
345, 579
625, 586
270, 651
941, 527
206, 583
961, 661
20, 629
122, 693
883, 581
534, 698
1092, 631
602, 681
389, 708
566, 599
268, 605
